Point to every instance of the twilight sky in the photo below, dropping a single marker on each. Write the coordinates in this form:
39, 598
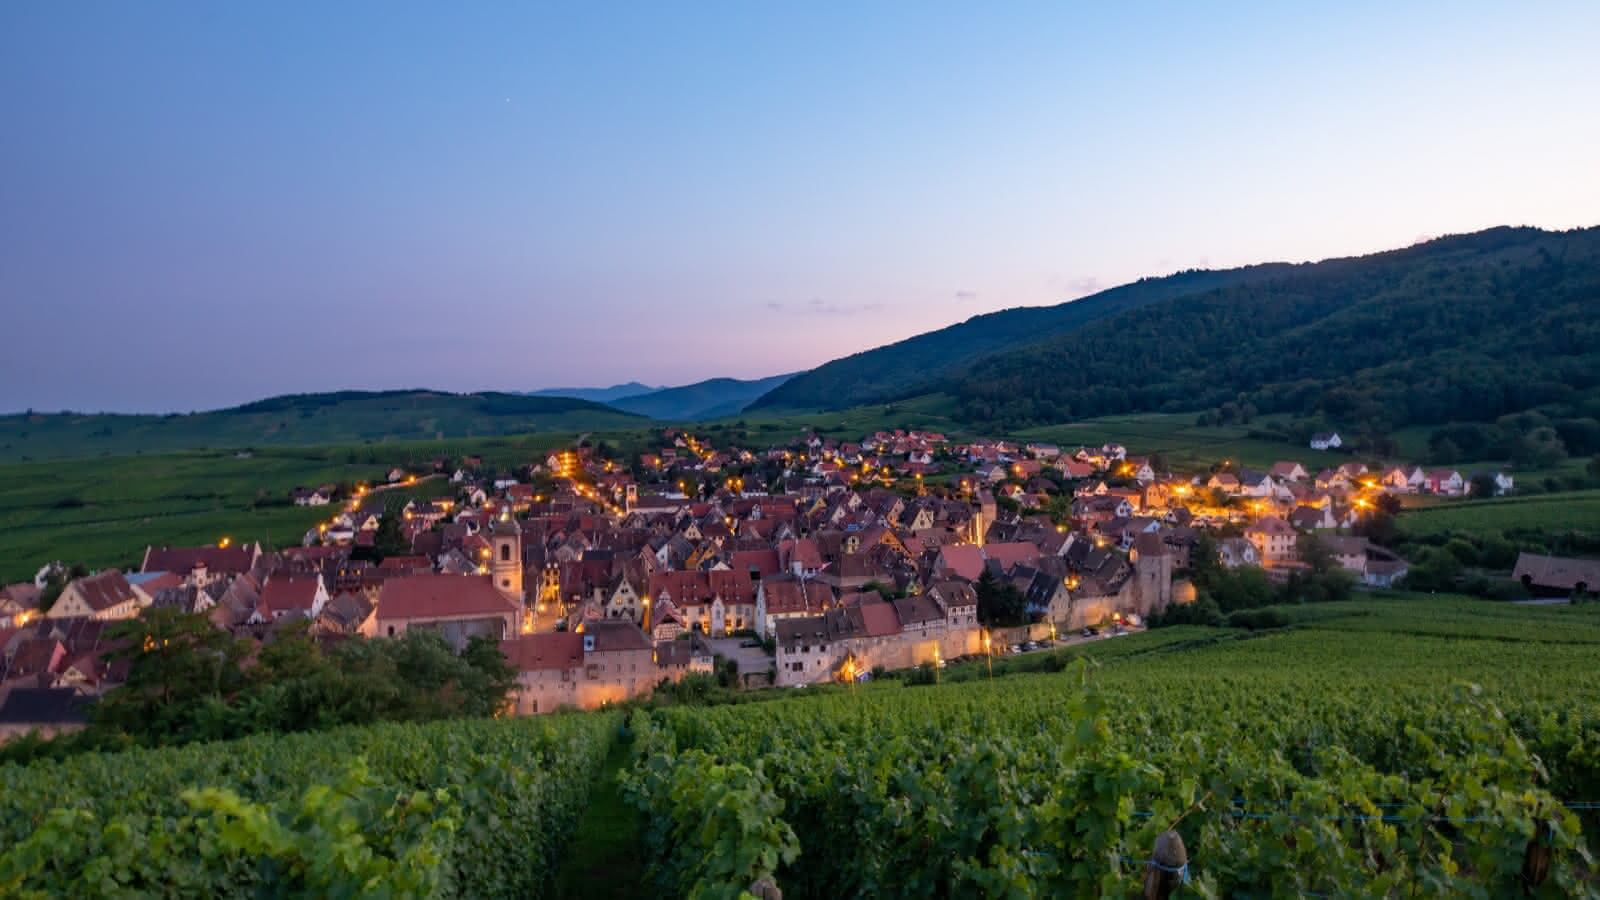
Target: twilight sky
207, 203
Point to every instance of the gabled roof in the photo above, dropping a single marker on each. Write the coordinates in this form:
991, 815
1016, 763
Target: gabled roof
288, 593
441, 597
611, 636
43, 706
878, 618
962, 560
1270, 525
552, 650
104, 590
917, 609
217, 560
954, 594
1557, 571
1012, 553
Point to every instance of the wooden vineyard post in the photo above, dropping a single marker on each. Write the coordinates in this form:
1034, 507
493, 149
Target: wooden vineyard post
1167, 868
1536, 859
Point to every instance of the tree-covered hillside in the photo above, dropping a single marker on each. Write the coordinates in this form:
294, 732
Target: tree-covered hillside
298, 419
1466, 328
897, 370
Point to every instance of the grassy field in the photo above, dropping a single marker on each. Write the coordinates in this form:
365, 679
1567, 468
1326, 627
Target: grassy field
1180, 442
1571, 511
103, 512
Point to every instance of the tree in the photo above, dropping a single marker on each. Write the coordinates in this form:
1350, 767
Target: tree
1541, 448
1316, 555
1482, 485
1204, 565
1434, 569
490, 677
1246, 587
1000, 604
175, 661
389, 539
56, 581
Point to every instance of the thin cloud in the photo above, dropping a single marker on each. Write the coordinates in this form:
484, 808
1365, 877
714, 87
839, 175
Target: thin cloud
966, 296
817, 307
1083, 287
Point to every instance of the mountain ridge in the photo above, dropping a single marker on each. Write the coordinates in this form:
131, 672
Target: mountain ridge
1180, 342
335, 417
709, 399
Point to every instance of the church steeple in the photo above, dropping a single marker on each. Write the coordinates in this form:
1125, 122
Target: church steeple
505, 540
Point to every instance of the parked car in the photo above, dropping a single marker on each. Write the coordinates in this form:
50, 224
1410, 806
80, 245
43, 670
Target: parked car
1016, 648
1031, 645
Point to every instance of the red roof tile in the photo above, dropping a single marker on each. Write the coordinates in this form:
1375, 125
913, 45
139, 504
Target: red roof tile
441, 597
534, 652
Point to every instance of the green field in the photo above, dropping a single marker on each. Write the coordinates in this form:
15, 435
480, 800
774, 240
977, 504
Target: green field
1572, 511
1180, 442
103, 512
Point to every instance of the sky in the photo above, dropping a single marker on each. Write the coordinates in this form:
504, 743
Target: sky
203, 204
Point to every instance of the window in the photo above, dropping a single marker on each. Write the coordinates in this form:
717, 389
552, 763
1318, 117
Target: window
505, 552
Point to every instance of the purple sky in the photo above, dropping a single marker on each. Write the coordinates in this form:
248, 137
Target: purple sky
203, 204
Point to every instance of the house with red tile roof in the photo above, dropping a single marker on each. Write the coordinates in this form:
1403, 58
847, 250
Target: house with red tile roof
785, 596
105, 596
607, 662
457, 606
848, 642
282, 596
200, 564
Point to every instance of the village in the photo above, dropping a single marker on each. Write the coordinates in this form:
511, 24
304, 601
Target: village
813, 562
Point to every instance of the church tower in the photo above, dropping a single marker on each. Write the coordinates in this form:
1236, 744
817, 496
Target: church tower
505, 541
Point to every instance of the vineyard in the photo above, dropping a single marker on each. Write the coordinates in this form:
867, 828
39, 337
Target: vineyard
1454, 755
1393, 746
466, 808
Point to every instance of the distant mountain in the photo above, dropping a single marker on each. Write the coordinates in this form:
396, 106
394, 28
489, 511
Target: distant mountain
1466, 328
295, 419
709, 399
905, 368
598, 395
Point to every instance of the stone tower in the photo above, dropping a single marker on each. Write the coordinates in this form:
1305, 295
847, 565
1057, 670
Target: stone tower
505, 541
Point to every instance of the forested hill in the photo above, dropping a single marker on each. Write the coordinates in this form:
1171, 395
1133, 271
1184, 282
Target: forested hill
904, 368
1461, 329
340, 417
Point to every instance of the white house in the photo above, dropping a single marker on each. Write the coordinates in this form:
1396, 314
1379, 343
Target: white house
1326, 440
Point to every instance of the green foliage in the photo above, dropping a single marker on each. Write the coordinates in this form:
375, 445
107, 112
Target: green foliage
1311, 760
461, 809
355, 836
886, 372
712, 833
1000, 603
389, 540
1378, 342
188, 681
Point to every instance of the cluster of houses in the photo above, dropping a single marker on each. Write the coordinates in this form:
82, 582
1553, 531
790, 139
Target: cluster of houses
600, 578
